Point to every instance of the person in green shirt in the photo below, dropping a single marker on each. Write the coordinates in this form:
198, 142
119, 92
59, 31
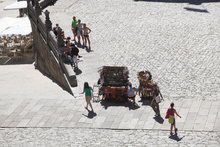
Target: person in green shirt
88, 95
73, 26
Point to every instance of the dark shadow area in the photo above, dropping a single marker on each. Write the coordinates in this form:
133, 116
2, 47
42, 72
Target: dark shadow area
176, 137
194, 2
44, 4
145, 101
77, 71
88, 49
24, 59
159, 119
51, 78
90, 115
79, 45
131, 106
196, 10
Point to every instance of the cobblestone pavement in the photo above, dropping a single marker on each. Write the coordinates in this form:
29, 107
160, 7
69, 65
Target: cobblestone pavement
66, 137
181, 48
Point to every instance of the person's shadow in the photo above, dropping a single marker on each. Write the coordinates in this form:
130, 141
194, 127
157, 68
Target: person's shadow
176, 137
77, 71
90, 115
159, 119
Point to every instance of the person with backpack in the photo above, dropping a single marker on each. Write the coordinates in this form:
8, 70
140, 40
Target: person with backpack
170, 115
88, 95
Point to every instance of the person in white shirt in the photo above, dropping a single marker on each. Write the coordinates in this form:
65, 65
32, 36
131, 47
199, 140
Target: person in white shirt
131, 93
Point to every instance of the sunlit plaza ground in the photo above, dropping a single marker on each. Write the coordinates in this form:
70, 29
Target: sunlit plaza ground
177, 41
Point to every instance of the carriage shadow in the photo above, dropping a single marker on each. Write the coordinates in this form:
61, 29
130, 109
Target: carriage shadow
112, 103
145, 101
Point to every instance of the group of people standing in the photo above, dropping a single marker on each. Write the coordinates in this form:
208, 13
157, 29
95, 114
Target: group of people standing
80, 31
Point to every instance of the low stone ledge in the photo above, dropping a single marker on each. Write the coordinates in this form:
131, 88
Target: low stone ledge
71, 75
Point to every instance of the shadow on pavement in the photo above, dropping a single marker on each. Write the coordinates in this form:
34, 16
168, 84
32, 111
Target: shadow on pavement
194, 2
77, 71
176, 137
131, 106
145, 101
197, 10
90, 115
159, 119
88, 49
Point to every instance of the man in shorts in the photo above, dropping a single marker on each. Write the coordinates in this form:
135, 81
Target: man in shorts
73, 26
86, 32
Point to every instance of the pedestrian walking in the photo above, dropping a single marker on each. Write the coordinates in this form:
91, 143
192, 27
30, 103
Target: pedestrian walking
73, 26
79, 29
88, 95
157, 97
170, 115
86, 32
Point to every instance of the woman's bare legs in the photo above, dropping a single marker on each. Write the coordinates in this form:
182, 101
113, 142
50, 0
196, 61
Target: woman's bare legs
171, 129
88, 41
88, 102
90, 105
85, 40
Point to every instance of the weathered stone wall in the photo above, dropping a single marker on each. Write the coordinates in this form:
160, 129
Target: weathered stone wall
48, 59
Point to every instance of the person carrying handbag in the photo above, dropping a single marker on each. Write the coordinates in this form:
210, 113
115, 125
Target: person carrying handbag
170, 115
157, 97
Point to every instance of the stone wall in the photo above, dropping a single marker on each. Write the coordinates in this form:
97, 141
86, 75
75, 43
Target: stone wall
47, 56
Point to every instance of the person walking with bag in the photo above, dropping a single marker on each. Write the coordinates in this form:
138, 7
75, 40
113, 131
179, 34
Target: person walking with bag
157, 97
170, 115
88, 95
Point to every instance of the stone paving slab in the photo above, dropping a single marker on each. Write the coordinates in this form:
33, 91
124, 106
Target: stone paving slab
71, 113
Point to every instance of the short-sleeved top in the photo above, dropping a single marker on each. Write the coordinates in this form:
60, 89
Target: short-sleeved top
79, 26
131, 92
74, 23
171, 111
88, 91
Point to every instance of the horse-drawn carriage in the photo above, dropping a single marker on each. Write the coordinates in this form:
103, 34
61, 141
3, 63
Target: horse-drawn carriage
113, 82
